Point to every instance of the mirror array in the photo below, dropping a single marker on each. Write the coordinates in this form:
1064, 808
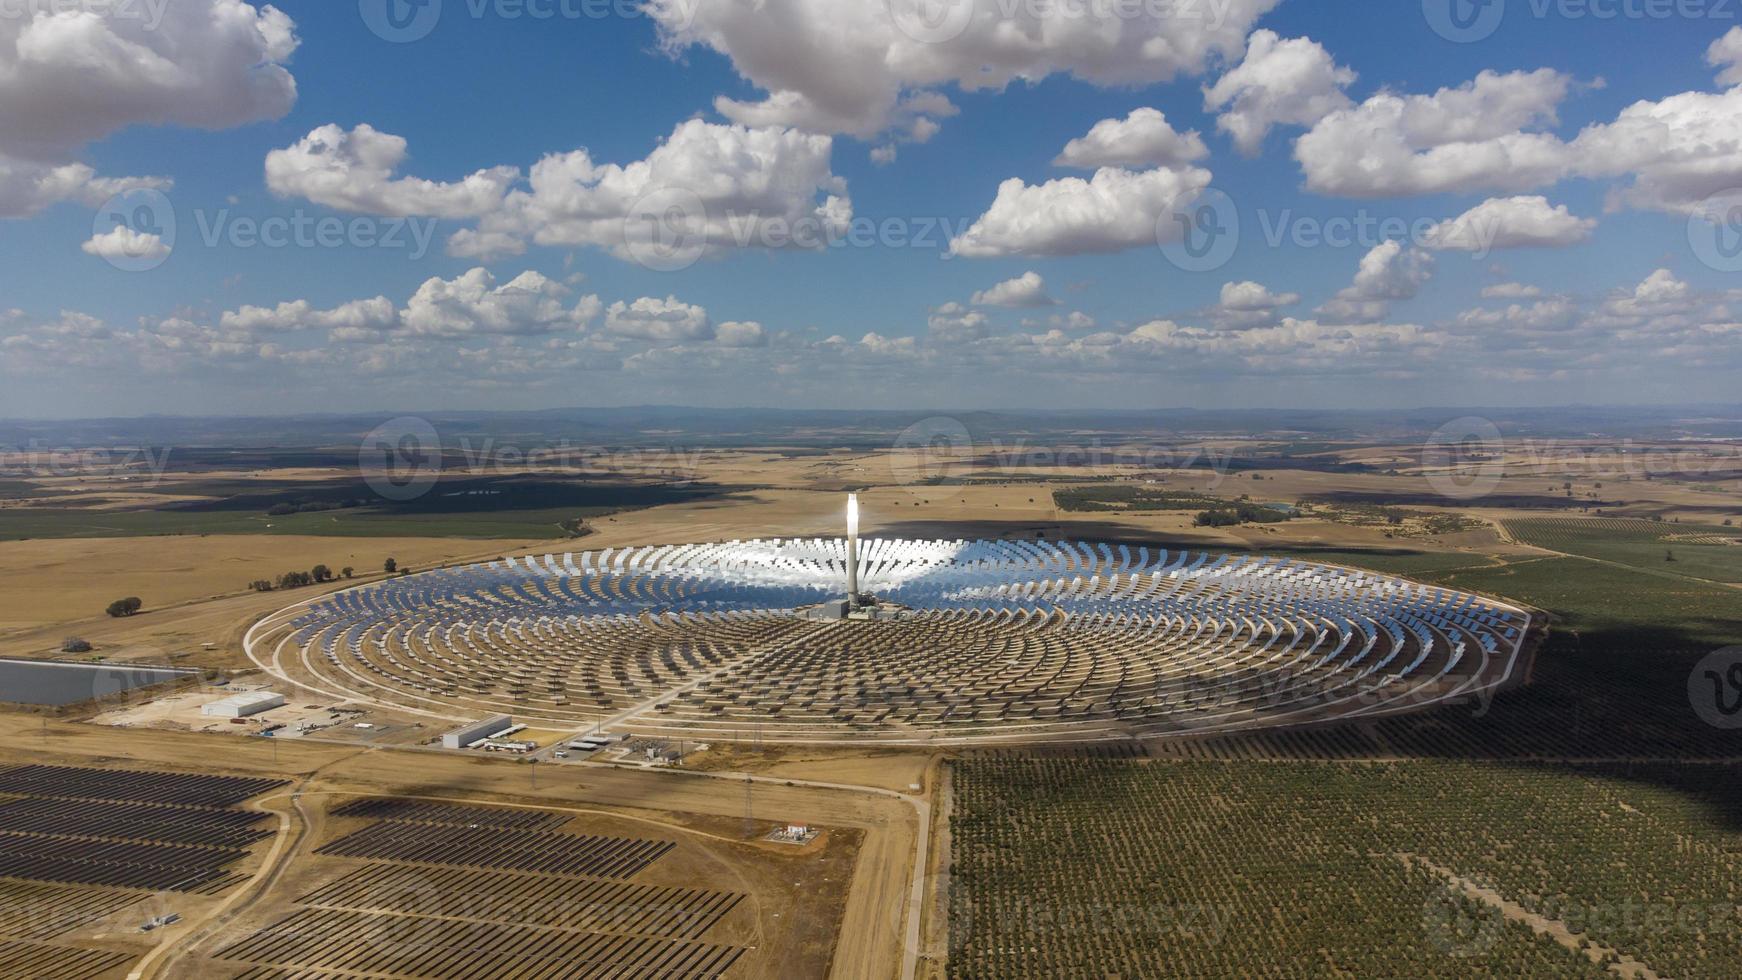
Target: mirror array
986, 642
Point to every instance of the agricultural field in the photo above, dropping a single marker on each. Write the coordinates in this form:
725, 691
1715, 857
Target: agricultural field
1082, 867
1124, 498
1611, 680
1696, 551
551, 507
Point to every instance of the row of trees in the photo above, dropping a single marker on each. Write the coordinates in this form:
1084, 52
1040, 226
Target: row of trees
130, 606
297, 580
1241, 512
317, 575
1094, 868
312, 507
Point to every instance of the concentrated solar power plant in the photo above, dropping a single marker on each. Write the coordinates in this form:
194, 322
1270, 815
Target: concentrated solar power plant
954, 642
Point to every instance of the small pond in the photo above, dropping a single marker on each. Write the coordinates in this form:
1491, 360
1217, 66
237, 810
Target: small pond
56, 684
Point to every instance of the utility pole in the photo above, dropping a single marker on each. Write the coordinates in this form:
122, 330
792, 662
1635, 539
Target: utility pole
749, 821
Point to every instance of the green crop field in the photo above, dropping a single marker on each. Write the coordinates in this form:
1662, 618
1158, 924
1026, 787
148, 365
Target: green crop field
1593, 599
1100, 868
471, 508
1698, 551
1610, 682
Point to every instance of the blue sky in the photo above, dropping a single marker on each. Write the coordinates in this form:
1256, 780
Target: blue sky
1581, 217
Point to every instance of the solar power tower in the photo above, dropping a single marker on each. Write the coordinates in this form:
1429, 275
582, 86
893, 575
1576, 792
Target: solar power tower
852, 550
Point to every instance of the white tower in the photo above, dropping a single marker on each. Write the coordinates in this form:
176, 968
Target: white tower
852, 549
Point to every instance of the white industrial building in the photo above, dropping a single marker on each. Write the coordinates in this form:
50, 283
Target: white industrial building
476, 732
243, 705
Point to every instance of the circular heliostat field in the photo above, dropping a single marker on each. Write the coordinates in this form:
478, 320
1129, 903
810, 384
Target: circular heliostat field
968, 642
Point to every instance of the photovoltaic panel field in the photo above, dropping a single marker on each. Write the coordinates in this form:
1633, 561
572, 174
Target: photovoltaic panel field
84, 845
512, 887
493, 847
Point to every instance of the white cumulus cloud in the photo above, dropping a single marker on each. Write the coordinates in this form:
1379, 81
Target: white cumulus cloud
1459, 139
1512, 222
354, 171
124, 243
70, 75
1143, 139
472, 304
716, 187
1026, 290
1388, 273
858, 67
1251, 297
1292, 82
1114, 210
664, 322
